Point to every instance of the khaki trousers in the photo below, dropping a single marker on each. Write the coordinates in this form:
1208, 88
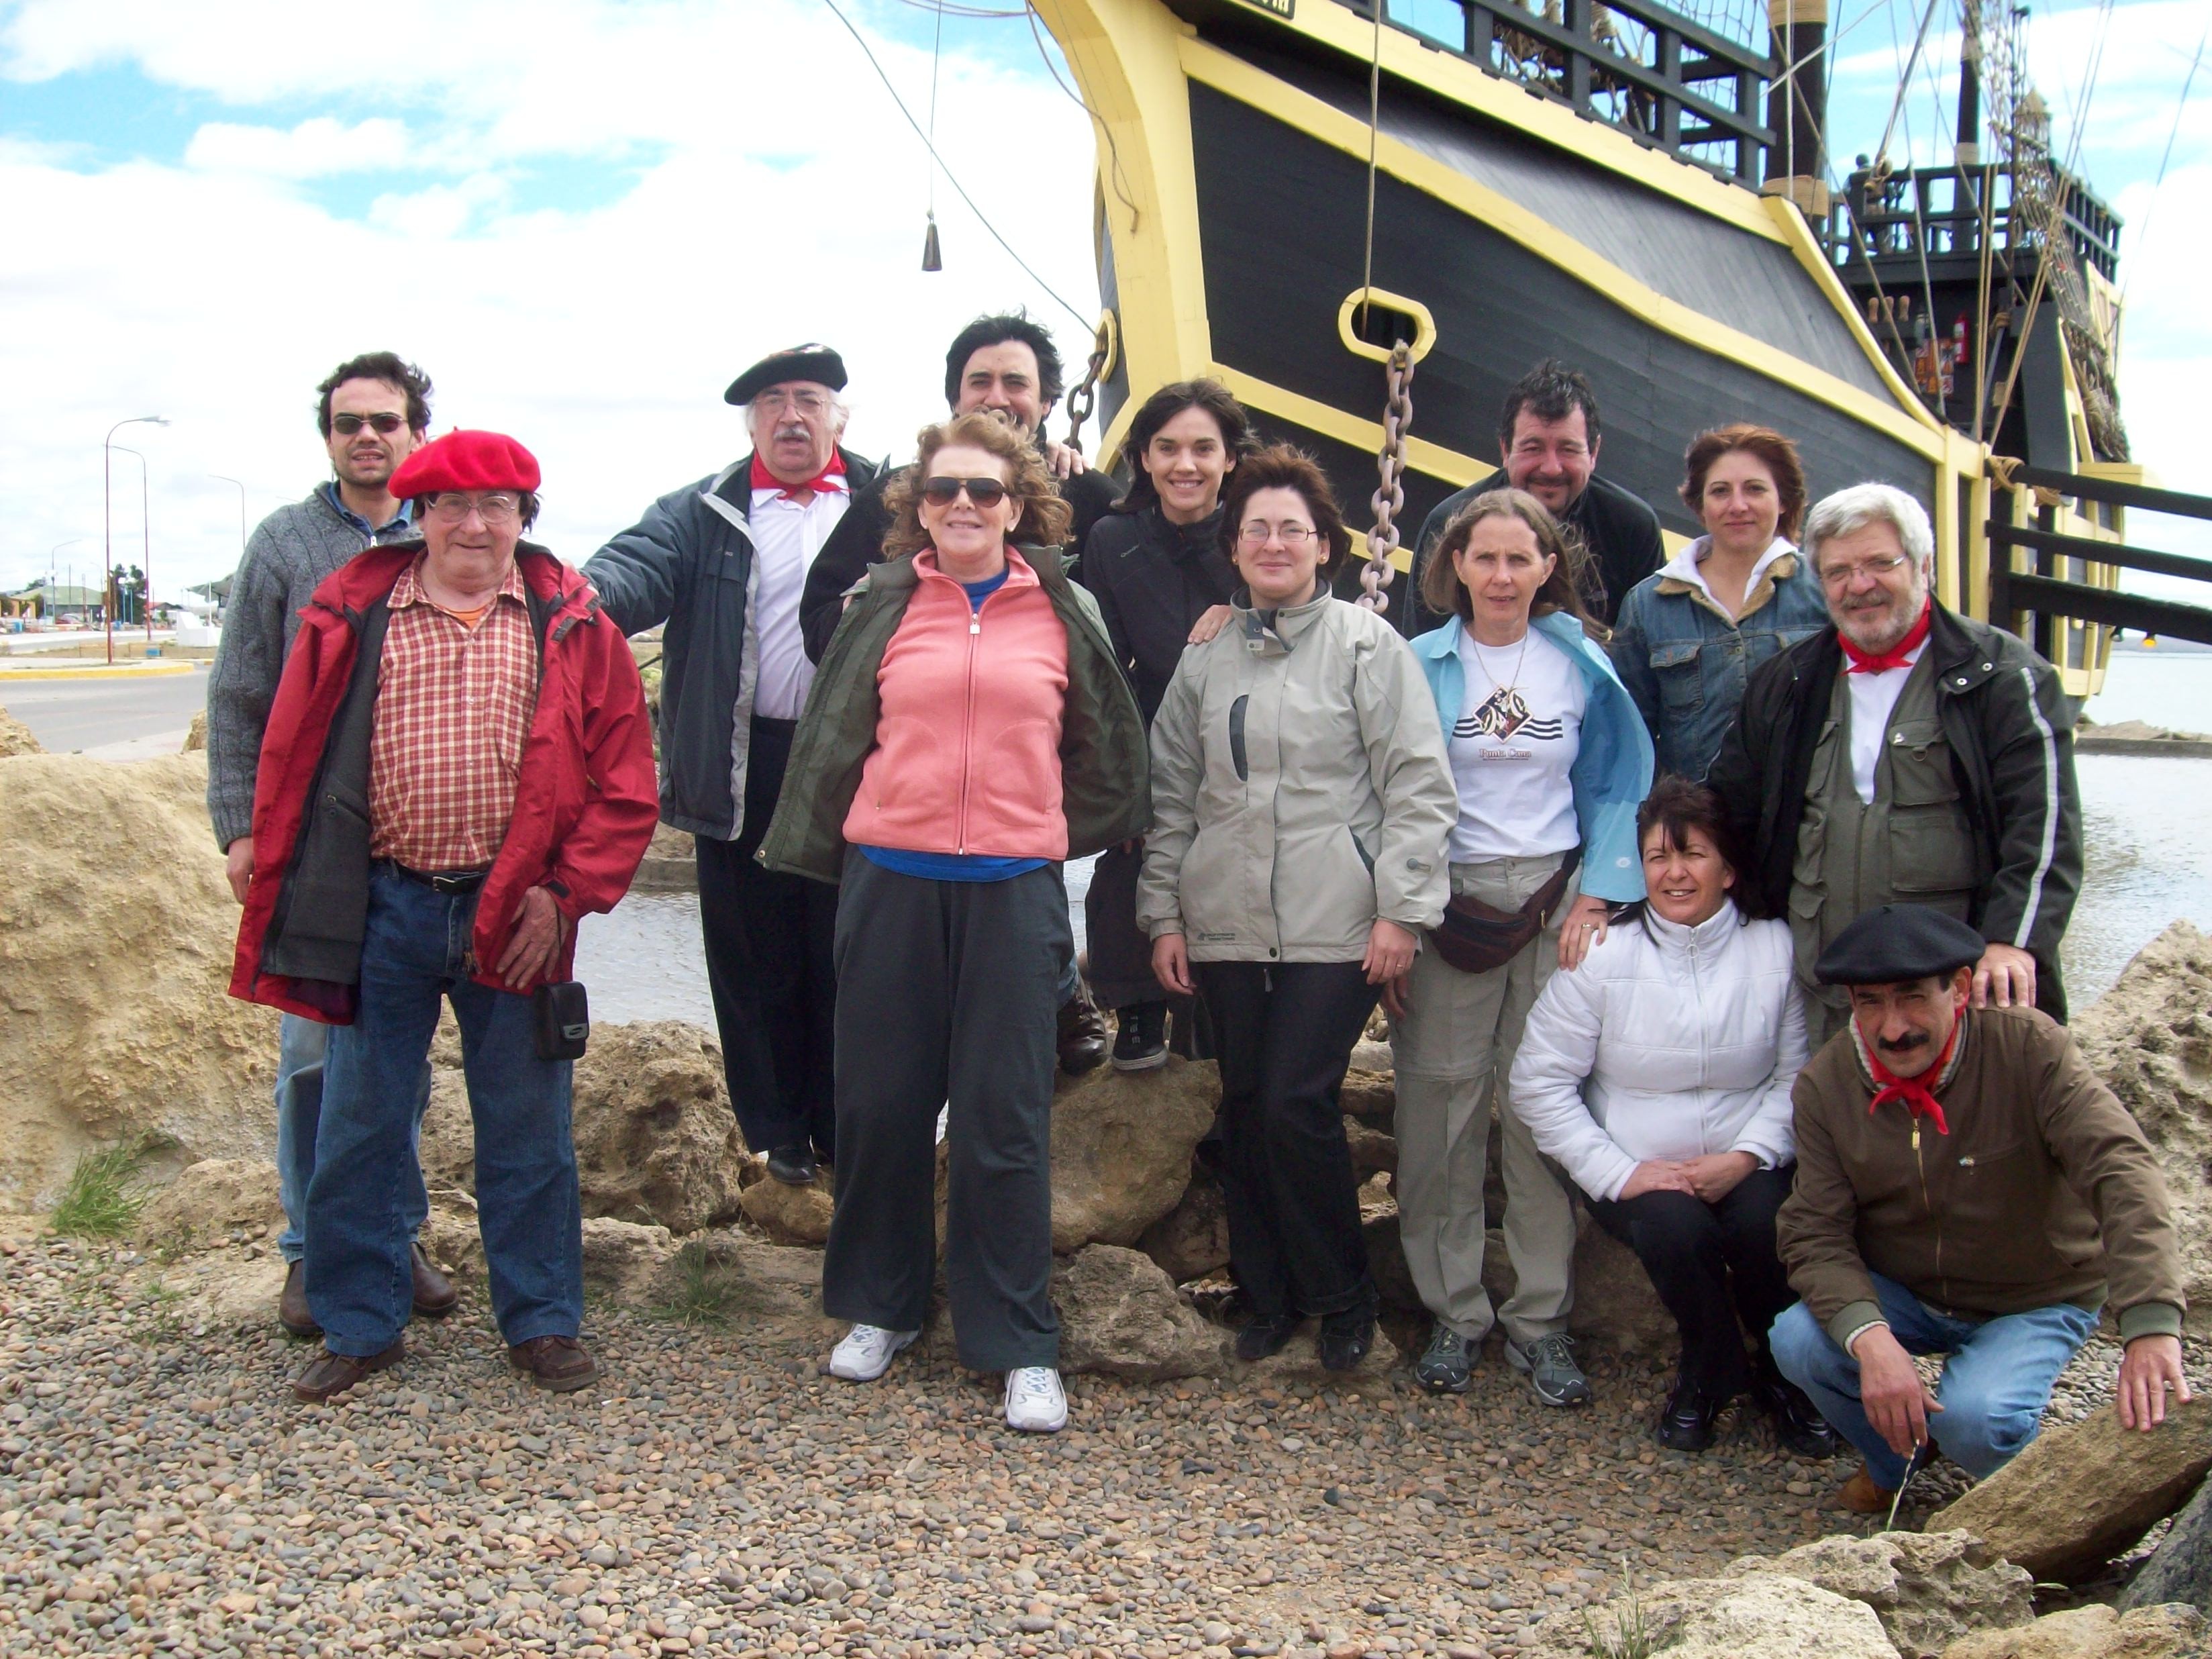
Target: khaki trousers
1457, 1040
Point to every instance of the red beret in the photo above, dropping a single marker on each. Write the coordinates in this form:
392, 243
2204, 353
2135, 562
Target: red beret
465, 460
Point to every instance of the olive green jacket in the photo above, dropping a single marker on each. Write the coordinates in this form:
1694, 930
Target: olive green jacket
1105, 772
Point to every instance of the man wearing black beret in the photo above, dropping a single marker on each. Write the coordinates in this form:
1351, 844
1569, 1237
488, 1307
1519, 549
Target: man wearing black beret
1966, 1187
723, 563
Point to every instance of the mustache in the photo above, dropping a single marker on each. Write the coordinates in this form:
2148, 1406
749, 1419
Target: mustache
1904, 1045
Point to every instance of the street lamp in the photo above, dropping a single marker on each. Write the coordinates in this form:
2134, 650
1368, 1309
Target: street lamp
146, 530
241, 482
107, 514
53, 574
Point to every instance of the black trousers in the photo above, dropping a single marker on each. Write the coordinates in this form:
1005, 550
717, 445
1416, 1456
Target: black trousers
1283, 1034
1716, 1267
948, 996
1120, 955
768, 965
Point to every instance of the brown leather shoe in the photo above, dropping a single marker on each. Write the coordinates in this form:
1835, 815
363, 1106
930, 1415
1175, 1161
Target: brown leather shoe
292, 1305
1082, 1037
332, 1374
558, 1363
1861, 1497
434, 1295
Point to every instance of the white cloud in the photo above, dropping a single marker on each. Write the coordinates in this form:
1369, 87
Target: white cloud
315, 149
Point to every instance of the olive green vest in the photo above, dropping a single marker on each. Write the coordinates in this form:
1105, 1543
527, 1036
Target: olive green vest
1911, 845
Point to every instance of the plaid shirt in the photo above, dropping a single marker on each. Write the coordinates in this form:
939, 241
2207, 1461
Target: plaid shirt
453, 706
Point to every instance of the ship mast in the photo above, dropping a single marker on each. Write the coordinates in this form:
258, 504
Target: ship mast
1797, 106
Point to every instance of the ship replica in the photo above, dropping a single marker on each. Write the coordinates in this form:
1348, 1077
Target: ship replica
1289, 190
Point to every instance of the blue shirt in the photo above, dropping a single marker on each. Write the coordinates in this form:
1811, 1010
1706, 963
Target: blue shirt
956, 866
369, 532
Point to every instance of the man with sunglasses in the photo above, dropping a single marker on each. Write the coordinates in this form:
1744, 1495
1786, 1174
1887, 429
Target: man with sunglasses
722, 562
1905, 754
1008, 366
373, 413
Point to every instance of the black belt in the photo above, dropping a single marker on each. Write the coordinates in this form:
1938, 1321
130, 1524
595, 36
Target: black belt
441, 881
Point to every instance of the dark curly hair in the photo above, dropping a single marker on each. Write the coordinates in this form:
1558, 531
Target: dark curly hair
1045, 518
1280, 466
1015, 325
387, 367
1678, 808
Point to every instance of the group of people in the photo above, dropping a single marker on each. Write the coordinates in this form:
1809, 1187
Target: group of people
1717, 881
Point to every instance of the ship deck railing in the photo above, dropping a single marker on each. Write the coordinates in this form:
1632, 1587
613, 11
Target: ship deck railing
1935, 214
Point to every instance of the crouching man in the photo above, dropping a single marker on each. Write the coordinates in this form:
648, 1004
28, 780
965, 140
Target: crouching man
1966, 1187
458, 765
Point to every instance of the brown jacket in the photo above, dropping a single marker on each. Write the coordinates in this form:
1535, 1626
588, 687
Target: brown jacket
2043, 1189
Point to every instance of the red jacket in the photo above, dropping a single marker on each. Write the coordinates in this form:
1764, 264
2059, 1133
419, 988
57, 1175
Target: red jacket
585, 803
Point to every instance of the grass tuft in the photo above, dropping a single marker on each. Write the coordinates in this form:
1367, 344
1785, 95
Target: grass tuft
705, 1293
103, 1196
1630, 1639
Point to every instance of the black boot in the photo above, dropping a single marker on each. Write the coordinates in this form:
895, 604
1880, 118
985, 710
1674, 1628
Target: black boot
1798, 1425
1687, 1423
1267, 1333
1345, 1338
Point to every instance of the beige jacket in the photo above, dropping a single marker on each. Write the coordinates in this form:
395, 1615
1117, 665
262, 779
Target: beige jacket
1300, 790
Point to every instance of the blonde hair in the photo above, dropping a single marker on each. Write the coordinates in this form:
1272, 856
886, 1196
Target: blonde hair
1044, 519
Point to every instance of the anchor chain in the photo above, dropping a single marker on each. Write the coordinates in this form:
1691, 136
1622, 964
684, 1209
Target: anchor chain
1390, 492
1082, 395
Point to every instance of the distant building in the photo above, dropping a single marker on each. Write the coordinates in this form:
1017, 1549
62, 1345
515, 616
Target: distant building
40, 600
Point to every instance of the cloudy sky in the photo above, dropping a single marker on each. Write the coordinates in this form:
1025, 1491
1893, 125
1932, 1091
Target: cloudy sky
583, 215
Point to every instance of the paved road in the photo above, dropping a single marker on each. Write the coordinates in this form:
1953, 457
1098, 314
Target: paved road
71, 714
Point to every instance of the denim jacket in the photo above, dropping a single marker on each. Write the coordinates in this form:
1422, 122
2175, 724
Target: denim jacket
1612, 772
1684, 662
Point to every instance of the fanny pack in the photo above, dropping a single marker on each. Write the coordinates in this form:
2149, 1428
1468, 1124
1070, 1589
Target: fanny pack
1475, 937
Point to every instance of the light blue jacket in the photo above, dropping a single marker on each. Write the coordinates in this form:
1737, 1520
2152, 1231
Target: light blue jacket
1611, 774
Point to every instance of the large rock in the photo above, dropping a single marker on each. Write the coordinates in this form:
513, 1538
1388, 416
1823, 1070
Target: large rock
1763, 1616
1120, 1149
623, 1261
116, 935
2093, 1632
655, 1142
2081, 1492
788, 1214
209, 1201
16, 738
1118, 1314
2150, 1038
2181, 1568
1191, 1240
1369, 1093
1371, 1148
1928, 1588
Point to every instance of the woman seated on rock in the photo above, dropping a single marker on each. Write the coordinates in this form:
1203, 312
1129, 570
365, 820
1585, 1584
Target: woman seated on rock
1301, 799
1659, 1076
969, 729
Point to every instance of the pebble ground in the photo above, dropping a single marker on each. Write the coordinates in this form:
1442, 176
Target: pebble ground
160, 1491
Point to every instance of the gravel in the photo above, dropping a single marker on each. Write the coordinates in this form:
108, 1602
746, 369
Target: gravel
716, 1494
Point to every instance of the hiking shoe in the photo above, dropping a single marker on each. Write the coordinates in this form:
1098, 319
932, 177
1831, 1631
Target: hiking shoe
1035, 1403
1548, 1363
1447, 1364
866, 1353
1141, 1044
1265, 1335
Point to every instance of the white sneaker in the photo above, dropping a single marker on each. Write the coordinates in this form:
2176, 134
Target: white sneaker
866, 1353
1035, 1403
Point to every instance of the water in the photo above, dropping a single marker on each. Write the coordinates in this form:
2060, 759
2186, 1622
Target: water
2143, 822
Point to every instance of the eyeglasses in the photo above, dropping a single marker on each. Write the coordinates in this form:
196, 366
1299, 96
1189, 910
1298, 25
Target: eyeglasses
495, 509
942, 492
347, 425
1843, 575
806, 403
1292, 536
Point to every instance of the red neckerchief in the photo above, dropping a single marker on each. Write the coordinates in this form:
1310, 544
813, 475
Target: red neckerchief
1913, 1092
1863, 662
831, 477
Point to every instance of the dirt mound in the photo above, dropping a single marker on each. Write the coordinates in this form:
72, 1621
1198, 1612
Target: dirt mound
116, 930
16, 738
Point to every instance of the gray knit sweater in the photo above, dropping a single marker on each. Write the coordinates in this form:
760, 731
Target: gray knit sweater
290, 553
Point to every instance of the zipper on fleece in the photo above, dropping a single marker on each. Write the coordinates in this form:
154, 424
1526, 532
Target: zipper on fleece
968, 723
1928, 1204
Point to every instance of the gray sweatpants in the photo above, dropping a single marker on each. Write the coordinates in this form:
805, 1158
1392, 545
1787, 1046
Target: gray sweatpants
948, 993
1453, 1052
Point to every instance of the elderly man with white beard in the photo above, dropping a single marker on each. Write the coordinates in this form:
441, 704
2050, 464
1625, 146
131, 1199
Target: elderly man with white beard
1906, 754
722, 562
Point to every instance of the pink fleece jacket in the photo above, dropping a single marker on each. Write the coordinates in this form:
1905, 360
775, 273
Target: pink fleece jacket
966, 755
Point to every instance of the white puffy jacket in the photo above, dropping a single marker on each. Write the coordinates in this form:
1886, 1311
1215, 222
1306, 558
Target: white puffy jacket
1671, 1044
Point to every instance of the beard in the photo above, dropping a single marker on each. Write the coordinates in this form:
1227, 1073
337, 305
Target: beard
1875, 631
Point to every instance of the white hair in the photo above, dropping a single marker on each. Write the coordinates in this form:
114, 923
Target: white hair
1850, 510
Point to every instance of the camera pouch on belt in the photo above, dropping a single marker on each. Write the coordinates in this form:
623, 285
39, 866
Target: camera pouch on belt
565, 1019
1475, 937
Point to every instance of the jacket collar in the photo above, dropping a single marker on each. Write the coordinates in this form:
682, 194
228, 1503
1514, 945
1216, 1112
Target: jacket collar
1291, 622
1711, 931
1556, 626
1950, 1067
1020, 572
1684, 574
1185, 542
729, 493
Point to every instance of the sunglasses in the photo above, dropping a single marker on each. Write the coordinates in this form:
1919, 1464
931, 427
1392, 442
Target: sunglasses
347, 425
942, 492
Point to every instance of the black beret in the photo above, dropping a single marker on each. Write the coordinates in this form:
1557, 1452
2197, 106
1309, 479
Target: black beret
1892, 943
804, 362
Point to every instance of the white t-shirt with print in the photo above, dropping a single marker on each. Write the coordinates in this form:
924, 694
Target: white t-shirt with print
1519, 731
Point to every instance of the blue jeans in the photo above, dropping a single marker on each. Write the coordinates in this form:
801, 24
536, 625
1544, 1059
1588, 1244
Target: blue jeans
300, 1049
1997, 1377
359, 1282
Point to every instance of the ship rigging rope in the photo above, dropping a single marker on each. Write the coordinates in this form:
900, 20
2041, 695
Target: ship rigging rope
1374, 128
951, 178
1119, 180
2180, 107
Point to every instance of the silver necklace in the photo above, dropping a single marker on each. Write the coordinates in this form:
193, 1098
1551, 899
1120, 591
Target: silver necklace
1504, 711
